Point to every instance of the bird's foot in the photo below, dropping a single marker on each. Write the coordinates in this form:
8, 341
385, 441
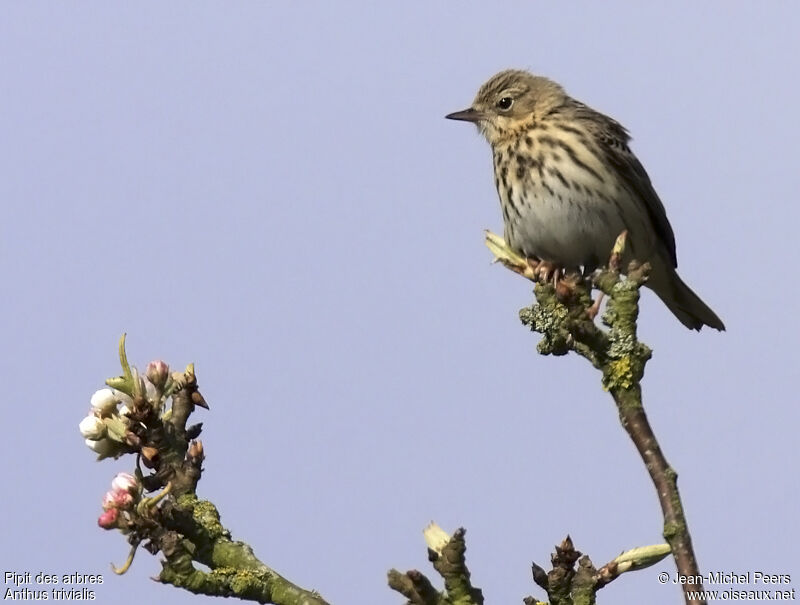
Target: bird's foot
545, 271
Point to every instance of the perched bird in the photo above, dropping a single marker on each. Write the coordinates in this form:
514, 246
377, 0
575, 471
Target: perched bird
569, 185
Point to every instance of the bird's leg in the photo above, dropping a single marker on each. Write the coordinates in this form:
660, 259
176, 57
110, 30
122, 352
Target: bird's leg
595, 308
557, 275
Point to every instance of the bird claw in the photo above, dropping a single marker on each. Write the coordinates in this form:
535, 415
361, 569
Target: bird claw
544, 271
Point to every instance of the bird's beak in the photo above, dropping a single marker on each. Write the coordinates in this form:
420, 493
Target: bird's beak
467, 115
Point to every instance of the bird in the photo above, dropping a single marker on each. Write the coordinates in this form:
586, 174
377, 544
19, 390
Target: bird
569, 184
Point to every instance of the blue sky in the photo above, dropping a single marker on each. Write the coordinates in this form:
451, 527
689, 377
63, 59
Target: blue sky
270, 190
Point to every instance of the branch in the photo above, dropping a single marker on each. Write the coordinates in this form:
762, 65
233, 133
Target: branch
147, 416
195, 533
564, 583
447, 555
563, 315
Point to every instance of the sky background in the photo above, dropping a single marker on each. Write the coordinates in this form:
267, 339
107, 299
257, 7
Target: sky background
270, 191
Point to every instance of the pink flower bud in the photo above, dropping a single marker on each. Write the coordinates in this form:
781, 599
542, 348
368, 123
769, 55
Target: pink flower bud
117, 499
157, 372
108, 501
125, 482
108, 520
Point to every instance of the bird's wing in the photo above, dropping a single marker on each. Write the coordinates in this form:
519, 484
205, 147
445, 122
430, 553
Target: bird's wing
612, 139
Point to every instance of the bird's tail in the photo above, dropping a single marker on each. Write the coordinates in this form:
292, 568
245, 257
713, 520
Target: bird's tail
687, 306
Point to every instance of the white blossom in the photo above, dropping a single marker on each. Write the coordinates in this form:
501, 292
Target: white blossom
103, 447
92, 428
104, 402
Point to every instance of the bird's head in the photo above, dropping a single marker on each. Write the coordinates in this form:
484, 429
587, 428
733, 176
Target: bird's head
510, 102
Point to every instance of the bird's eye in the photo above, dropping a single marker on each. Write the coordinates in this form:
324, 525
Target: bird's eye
505, 103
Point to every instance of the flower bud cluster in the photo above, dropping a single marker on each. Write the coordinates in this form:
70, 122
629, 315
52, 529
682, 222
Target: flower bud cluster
106, 430
124, 493
136, 414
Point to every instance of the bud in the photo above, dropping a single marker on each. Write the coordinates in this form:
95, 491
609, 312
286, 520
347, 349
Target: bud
157, 372
639, 558
118, 499
109, 500
125, 482
92, 428
198, 399
108, 520
104, 402
435, 537
195, 450
104, 448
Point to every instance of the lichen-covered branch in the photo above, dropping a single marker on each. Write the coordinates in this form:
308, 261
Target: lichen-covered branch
565, 584
195, 533
147, 416
563, 315
447, 554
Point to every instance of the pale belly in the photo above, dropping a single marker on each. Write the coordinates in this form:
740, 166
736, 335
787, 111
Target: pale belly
575, 225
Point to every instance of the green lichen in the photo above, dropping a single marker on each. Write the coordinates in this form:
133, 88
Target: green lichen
622, 344
206, 514
549, 318
618, 374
